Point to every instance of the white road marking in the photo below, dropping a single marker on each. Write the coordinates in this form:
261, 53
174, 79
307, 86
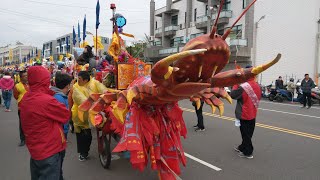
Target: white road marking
285, 104
203, 162
290, 113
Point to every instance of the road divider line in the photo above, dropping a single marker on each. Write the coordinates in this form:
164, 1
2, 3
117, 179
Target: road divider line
203, 162
298, 133
285, 104
271, 110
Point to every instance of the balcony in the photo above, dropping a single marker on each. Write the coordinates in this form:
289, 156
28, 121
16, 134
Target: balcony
238, 48
214, 2
201, 22
158, 33
238, 42
170, 30
225, 15
168, 51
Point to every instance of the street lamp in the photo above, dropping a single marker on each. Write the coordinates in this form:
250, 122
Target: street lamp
254, 59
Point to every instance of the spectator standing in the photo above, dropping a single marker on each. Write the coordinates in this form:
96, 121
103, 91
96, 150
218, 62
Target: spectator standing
306, 85
42, 117
248, 96
18, 92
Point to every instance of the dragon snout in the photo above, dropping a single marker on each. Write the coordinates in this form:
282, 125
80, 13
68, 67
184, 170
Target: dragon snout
162, 70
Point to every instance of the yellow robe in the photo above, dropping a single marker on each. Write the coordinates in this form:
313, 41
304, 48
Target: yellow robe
79, 95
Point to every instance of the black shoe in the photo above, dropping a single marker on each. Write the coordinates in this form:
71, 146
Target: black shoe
308, 107
82, 158
195, 127
200, 129
22, 143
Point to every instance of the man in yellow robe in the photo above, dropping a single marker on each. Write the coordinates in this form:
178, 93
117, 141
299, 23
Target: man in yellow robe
81, 92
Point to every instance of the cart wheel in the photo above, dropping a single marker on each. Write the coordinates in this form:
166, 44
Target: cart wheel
105, 156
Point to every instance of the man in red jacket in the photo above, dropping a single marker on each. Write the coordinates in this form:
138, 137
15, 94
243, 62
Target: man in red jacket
248, 96
42, 117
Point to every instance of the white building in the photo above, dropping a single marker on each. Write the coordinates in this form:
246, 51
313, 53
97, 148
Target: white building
290, 27
172, 26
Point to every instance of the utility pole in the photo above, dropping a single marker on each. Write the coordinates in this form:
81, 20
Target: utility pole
317, 58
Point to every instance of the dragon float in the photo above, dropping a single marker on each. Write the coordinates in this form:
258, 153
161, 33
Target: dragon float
147, 116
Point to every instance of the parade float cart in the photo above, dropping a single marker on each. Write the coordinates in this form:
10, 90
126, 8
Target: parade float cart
126, 73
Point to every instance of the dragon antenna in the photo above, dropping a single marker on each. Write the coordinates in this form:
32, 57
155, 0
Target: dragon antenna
226, 34
214, 29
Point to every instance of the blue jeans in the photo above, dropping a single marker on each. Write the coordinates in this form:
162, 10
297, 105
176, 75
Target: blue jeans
47, 169
7, 95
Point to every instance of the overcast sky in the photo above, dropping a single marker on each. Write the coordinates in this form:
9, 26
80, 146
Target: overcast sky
34, 22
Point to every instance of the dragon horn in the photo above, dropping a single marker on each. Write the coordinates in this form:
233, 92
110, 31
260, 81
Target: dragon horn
170, 59
261, 68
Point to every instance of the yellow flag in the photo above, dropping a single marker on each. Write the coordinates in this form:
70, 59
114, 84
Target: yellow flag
97, 44
51, 58
60, 57
10, 54
84, 44
114, 48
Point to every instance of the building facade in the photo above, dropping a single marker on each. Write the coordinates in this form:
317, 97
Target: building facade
172, 26
64, 44
292, 28
16, 54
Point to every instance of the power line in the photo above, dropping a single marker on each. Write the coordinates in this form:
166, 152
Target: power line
74, 6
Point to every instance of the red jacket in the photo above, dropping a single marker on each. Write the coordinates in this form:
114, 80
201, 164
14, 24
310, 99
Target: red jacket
6, 83
42, 116
245, 109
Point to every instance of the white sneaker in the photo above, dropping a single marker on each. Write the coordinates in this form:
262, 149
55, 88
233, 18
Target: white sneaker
245, 156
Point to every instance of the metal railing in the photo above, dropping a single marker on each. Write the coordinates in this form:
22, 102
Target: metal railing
201, 19
159, 30
238, 42
223, 14
171, 28
169, 50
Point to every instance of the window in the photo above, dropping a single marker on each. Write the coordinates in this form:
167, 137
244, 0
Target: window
244, 4
226, 5
185, 17
157, 43
195, 35
156, 25
176, 41
195, 15
174, 20
236, 32
207, 9
220, 29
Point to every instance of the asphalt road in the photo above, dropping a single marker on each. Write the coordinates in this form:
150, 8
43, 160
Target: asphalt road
286, 142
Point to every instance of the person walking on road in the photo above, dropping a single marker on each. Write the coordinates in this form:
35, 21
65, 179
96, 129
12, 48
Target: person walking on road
200, 126
81, 92
42, 117
6, 85
18, 92
306, 85
248, 96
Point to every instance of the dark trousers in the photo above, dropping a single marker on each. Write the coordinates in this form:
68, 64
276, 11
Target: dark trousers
247, 129
305, 97
84, 139
199, 115
22, 137
47, 169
